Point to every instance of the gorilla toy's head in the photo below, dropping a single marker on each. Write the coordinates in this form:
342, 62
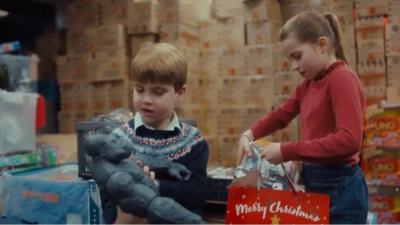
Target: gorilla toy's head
109, 147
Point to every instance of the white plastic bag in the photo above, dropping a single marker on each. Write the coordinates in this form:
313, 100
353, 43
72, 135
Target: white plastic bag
17, 121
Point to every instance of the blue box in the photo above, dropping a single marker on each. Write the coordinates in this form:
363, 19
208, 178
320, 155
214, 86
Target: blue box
54, 195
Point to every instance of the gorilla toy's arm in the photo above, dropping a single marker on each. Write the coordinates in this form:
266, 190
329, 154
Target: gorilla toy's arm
161, 166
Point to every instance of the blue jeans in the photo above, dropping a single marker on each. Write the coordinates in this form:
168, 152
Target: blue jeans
348, 194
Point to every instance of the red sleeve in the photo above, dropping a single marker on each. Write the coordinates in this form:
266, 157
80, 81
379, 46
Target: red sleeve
345, 140
280, 117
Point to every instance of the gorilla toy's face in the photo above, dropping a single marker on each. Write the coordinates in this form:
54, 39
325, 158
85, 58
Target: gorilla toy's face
110, 147
117, 148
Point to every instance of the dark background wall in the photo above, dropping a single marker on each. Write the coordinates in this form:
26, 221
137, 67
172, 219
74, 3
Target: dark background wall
29, 18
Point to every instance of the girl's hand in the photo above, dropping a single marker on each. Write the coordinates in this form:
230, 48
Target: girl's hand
272, 153
245, 141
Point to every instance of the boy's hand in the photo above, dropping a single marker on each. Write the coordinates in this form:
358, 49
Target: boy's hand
179, 172
245, 141
272, 153
147, 172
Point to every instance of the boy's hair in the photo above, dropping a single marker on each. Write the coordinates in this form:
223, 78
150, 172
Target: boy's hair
160, 62
308, 27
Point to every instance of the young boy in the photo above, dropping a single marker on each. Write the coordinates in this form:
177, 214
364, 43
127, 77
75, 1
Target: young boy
159, 74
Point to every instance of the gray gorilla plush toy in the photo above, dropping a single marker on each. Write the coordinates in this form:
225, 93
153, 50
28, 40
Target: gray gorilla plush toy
124, 182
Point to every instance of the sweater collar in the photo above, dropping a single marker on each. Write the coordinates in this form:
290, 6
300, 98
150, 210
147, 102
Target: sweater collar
324, 72
171, 127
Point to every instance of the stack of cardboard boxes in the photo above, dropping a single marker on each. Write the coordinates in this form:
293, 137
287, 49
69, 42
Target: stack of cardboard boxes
370, 31
236, 72
93, 75
381, 162
393, 51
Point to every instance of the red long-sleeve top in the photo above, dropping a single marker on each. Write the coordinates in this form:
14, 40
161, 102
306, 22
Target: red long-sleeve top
331, 119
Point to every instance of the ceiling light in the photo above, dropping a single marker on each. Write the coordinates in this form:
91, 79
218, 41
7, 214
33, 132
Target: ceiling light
3, 13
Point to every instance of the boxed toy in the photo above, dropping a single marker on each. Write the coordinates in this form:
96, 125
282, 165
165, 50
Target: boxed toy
50, 195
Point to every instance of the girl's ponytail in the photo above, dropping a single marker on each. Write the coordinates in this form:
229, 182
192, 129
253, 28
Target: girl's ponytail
338, 42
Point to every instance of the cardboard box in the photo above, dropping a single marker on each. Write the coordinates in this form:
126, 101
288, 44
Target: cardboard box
234, 27
371, 49
77, 41
261, 33
111, 64
286, 83
264, 10
259, 60
371, 66
290, 133
82, 14
142, 17
225, 9
68, 96
392, 28
179, 33
228, 149
66, 122
208, 59
113, 12
209, 88
393, 93
137, 41
111, 37
208, 34
83, 97
231, 91
208, 125
231, 61
293, 7
230, 121
258, 91
393, 47
78, 65
252, 114
178, 11
280, 61
366, 8
393, 7
63, 70
212, 142
100, 96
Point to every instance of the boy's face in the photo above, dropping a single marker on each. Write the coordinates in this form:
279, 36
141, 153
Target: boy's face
156, 102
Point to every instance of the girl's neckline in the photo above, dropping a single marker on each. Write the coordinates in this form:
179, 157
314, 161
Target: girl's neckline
323, 73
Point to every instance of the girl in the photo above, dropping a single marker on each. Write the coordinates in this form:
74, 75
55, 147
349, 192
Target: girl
330, 103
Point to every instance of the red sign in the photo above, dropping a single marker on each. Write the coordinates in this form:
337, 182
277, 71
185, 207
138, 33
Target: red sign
267, 206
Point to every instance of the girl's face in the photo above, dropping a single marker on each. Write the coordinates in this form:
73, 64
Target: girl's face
156, 102
305, 58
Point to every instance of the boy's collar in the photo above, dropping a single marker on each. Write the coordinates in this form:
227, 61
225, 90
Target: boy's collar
171, 127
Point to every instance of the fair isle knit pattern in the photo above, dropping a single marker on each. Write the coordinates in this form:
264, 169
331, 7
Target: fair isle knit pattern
169, 148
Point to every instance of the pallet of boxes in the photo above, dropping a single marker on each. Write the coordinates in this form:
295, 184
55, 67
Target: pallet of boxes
381, 163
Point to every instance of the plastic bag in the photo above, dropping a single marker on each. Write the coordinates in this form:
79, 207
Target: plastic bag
17, 121
271, 175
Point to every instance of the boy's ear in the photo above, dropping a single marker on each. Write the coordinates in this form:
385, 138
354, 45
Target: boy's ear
181, 91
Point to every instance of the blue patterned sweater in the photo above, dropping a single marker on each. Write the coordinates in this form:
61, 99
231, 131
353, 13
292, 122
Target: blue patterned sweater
185, 146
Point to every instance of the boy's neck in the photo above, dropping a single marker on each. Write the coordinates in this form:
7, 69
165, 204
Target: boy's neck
169, 125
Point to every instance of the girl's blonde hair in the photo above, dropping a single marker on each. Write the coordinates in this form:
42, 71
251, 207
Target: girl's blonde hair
308, 27
161, 63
